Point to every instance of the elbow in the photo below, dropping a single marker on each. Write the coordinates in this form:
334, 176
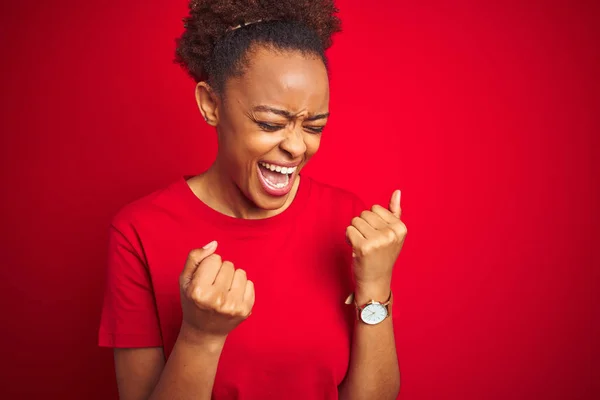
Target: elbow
395, 390
388, 389
390, 392
394, 387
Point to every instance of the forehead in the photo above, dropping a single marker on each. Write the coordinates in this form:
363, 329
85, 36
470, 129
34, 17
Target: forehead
285, 79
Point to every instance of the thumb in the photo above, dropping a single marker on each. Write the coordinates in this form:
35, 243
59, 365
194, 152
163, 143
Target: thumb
194, 259
395, 203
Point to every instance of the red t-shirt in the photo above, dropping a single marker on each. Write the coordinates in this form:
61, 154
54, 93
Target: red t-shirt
296, 344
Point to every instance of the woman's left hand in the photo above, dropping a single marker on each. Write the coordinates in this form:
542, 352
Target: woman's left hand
376, 238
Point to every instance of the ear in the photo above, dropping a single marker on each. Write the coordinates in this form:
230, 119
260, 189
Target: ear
207, 103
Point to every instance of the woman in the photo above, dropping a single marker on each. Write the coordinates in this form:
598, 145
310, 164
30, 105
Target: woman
174, 310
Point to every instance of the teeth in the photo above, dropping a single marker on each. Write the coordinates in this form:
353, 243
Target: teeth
279, 185
278, 168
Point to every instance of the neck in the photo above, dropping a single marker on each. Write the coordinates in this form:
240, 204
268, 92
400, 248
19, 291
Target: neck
216, 189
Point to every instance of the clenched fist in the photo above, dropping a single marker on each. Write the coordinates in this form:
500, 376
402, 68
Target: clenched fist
215, 297
376, 237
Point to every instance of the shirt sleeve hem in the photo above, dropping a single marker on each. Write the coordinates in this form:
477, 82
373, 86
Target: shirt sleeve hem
120, 340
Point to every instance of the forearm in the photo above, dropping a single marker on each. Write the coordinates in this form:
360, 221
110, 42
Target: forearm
373, 372
191, 368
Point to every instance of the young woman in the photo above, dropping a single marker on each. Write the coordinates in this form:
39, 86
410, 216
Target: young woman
186, 261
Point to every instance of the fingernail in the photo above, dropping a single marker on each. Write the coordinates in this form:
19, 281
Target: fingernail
399, 195
210, 245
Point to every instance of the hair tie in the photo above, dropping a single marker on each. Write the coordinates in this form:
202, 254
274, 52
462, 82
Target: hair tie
233, 28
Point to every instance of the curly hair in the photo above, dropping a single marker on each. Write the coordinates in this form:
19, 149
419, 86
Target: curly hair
209, 49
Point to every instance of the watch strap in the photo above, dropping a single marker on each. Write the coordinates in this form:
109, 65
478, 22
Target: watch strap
351, 299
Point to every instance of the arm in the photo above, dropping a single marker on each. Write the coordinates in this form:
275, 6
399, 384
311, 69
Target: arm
191, 368
373, 372
188, 374
376, 237
215, 298
138, 371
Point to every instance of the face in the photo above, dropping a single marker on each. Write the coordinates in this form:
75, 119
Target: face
269, 123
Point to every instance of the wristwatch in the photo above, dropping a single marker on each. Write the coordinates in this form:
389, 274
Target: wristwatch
373, 312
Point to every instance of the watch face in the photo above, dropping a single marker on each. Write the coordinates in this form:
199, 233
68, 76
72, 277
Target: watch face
373, 314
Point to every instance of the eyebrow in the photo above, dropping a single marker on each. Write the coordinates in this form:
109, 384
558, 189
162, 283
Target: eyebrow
287, 114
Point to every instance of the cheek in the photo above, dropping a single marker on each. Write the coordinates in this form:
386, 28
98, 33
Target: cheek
257, 144
312, 143
246, 148
245, 143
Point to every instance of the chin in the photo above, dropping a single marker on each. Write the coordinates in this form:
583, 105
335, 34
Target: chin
270, 204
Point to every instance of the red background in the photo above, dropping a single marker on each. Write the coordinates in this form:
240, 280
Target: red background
482, 113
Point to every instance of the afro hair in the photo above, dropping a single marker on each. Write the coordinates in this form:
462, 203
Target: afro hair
219, 33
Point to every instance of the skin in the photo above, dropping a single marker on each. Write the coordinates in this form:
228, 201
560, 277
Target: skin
270, 113
288, 83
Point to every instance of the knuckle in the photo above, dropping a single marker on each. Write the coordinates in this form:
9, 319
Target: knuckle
377, 244
376, 208
239, 311
365, 214
401, 228
365, 248
246, 310
229, 308
390, 235
198, 295
218, 300
214, 258
355, 220
195, 256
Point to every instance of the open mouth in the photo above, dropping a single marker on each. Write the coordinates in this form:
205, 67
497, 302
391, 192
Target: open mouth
276, 180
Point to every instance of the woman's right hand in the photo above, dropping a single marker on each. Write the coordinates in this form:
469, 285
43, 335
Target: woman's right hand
215, 297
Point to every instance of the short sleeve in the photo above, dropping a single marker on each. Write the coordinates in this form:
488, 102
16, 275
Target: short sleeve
129, 316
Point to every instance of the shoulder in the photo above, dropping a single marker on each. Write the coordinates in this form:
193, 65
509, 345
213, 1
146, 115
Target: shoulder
336, 197
150, 206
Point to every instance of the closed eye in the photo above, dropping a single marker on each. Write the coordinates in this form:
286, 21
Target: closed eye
275, 127
269, 127
315, 129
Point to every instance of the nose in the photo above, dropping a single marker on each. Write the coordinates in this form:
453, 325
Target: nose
293, 143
